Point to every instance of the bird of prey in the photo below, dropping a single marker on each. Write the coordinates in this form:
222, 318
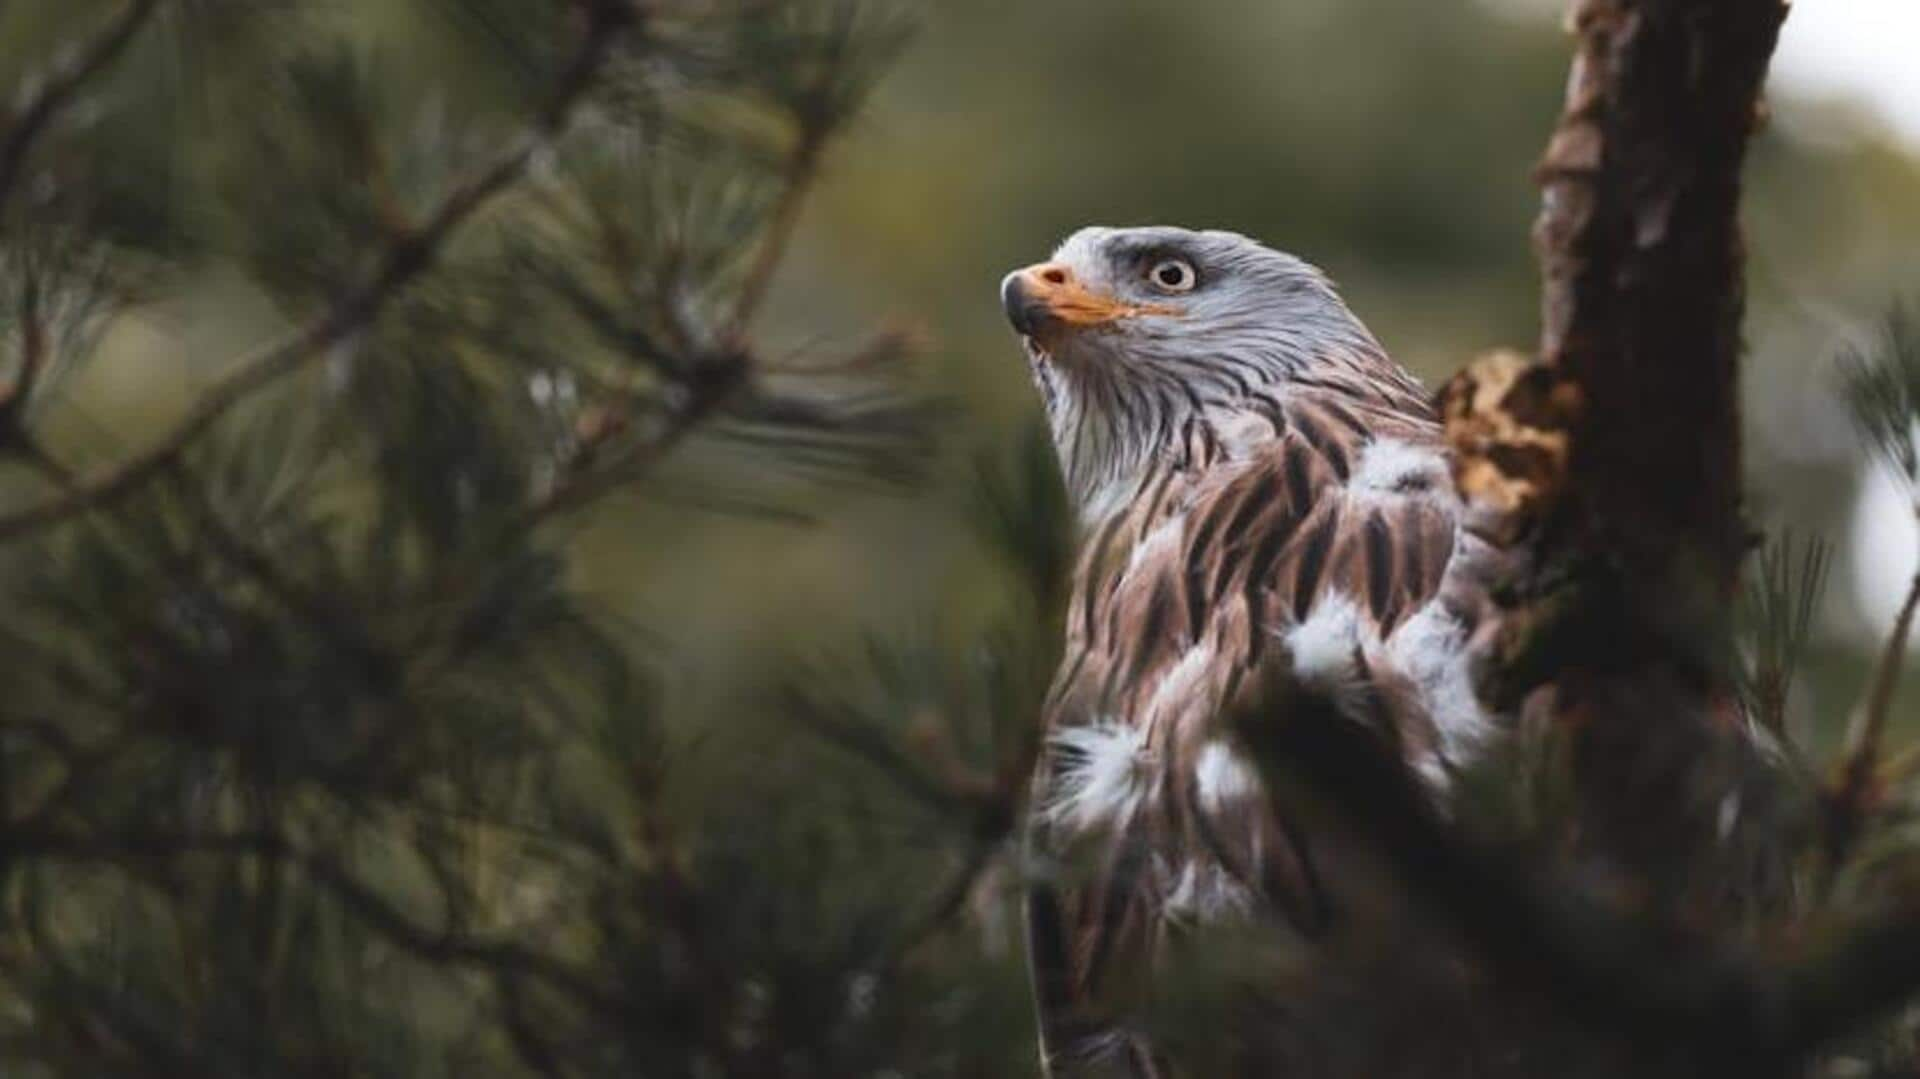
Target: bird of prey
1256, 483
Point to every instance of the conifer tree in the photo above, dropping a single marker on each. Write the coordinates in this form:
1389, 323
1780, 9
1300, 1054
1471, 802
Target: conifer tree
317, 757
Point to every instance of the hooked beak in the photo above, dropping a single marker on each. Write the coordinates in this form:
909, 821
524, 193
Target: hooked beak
1046, 300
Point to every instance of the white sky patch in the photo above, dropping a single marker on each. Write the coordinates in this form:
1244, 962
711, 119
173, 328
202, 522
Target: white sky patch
1886, 546
1864, 50
1884, 543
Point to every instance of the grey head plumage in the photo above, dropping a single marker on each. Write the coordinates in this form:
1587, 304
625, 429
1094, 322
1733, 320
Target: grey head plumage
1133, 334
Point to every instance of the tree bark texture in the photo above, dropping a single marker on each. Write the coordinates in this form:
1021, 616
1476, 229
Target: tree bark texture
1611, 464
1640, 251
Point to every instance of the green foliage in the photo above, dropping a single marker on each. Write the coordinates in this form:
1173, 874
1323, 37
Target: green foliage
316, 756
1778, 602
1881, 386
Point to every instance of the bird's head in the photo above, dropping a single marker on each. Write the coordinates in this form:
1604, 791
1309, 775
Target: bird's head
1132, 331
1117, 295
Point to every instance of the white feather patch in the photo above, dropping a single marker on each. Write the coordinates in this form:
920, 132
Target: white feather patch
1325, 644
1222, 777
1105, 776
1390, 466
1430, 649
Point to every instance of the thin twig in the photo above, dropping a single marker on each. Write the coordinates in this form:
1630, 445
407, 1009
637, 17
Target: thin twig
60, 87
710, 389
317, 610
33, 353
705, 398
15, 438
1855, 780
803, 167
946, 904
405, 259
523, 1034
874, 746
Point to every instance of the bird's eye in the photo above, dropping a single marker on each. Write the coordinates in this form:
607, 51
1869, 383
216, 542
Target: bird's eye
1173, 275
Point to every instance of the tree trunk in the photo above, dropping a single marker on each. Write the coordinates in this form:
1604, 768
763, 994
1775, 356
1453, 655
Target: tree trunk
1613, 462
1640, 250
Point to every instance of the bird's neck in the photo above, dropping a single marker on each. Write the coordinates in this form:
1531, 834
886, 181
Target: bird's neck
1115, 441
1118, 436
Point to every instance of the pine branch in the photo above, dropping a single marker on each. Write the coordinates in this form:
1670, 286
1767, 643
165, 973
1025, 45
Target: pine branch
823, 97
522, 1032
60, 88
404, 260
15, 439
359, 899
1544, 931
1881, 387
867, 742
1780, 598
947, 904
717, 382
803, 167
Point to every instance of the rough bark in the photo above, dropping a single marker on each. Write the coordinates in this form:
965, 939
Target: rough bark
1640, 249
1632, 526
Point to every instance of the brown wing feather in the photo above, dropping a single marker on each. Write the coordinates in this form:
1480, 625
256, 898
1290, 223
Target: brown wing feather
1211, 563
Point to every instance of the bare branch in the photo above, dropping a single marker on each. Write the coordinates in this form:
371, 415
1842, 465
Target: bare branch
59, 89
403, 261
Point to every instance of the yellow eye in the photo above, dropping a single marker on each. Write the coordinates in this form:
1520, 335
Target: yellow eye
1173, 275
